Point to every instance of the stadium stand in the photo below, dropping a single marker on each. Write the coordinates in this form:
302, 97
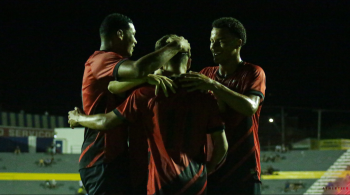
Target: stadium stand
14, 181
28, 163
18, 165
296, 161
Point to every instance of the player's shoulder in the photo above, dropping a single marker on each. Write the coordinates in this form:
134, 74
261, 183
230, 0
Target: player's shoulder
106, 55
99, 58
209, 70
252, 67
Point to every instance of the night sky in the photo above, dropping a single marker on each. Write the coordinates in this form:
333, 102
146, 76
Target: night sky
303, 46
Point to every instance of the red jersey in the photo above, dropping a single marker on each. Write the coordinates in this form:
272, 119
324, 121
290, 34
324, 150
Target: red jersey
243, 156
101, 147
176, 129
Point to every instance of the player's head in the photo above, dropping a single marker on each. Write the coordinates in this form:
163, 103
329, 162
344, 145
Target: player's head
181, 59
118, 30
227, 37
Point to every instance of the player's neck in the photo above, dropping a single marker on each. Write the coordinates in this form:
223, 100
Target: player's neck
230, 67
108, 45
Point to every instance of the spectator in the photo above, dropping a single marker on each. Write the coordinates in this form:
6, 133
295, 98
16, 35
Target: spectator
269, 171
278, 148
53, 183
284, 148
17, 150
50, 184
53, 149
48, 161
41, 162
286, 186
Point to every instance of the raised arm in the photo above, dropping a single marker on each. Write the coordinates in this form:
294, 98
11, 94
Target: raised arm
220, 147
118, 87
97, 121
152, 61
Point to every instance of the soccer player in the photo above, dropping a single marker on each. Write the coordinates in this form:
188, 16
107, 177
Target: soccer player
176, 129
240, 89
104, 154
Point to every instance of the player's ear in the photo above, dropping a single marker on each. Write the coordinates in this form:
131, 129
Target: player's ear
189, 61
120, 34
239, 43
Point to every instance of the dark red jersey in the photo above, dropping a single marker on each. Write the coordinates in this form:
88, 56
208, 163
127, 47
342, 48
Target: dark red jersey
243, 157
101, 147
176, 129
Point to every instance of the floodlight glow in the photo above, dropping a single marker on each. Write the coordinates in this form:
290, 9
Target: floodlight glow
271, 120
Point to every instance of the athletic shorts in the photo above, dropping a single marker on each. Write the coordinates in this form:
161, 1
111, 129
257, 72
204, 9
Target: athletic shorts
107, 179
250, 187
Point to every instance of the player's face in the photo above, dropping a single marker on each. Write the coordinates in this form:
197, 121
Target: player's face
129, 39
223, 45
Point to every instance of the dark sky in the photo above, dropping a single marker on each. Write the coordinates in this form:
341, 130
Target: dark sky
303, 46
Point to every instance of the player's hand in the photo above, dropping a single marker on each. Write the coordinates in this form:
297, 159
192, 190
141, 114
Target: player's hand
182, 43
161, 82
73, 117
158, 72
196, 81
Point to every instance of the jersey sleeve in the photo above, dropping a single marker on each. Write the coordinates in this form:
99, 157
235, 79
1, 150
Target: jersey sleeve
257, 84
106, 66
131, 108
215, 123
204, 71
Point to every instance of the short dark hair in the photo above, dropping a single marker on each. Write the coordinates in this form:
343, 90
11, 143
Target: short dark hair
162, 42
233, 25
114, 22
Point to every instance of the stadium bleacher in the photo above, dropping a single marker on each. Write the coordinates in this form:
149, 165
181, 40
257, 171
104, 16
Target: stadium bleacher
295, 161
28, 163
304, 160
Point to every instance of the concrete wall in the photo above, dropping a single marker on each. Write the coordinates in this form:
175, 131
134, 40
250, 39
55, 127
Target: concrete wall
72, 139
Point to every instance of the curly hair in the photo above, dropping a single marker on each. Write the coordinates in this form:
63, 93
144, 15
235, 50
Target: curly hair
233, 25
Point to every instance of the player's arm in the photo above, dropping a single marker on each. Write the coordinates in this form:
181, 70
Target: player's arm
97, 121
220, 147
245, 104
123, 85
152, 61
117, 87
